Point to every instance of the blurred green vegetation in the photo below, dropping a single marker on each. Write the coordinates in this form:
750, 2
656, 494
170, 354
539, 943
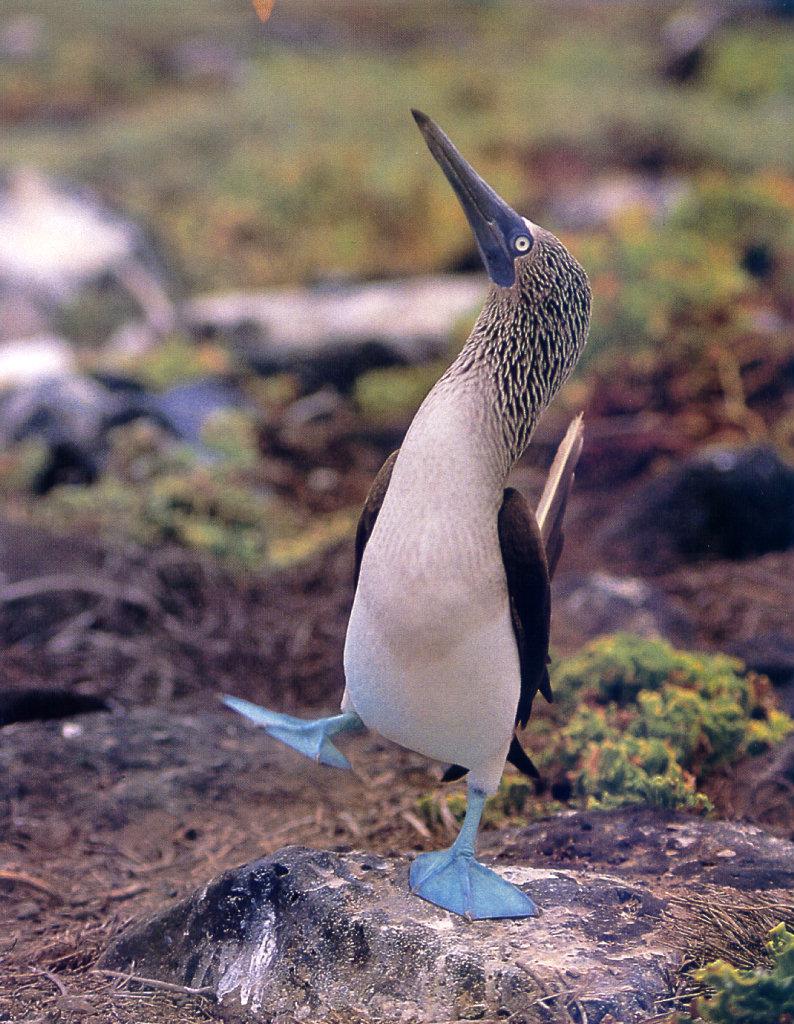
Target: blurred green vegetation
635, 721
751, 65
269, 176
301, 161
390, 396
154, 492
177, 360
694, 279
759, 996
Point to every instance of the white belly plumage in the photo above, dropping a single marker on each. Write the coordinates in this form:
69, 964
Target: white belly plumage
431, 661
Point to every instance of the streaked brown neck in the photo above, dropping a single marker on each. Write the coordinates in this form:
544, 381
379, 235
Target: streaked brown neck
527, 340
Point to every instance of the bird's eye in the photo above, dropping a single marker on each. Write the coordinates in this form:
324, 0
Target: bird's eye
523, 243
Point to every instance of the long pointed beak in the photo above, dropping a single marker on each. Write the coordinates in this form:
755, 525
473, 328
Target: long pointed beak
501, 234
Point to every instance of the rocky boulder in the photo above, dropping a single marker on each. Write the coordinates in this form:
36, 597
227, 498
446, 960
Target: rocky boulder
328, 936
730, 503
56, 239
330, 335
70, 415
600, 603
32, 359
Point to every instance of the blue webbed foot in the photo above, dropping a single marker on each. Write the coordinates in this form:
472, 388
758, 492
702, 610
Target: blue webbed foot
310, 738
454, 880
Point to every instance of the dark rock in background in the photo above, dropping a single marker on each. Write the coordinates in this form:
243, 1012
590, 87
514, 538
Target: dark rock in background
340, 934
723, 503
771, 654
686, 39
70, 415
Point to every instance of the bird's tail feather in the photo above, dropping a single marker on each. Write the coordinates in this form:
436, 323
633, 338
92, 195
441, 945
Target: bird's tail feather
551, 507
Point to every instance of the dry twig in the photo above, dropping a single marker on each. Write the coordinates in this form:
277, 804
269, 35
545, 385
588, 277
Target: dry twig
21, 878
155, 983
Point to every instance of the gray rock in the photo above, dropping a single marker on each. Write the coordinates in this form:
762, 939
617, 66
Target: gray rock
186, 408
686, 39
772, 655
56, 239
70, 415
73, 409
25, 361
600, 603
340, 935
325, 333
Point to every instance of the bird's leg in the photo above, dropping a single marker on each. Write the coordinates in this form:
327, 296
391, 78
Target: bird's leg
308, 737
454, 880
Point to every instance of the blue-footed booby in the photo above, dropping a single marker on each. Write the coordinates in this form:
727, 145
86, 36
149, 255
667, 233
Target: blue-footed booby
447, 643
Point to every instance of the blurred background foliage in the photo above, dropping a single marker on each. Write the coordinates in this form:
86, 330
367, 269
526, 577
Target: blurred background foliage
282, 159
762, 995
283, 154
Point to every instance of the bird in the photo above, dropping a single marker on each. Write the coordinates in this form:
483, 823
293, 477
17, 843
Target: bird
448, 636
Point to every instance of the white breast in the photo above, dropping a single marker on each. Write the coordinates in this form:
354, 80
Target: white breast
430, 655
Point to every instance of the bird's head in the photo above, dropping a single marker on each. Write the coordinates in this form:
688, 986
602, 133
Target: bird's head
541, 296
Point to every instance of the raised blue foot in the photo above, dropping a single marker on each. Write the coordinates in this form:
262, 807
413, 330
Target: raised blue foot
454, 880
311, 738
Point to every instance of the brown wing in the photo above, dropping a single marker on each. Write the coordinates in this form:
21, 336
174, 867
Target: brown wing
527, 573
369, 513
